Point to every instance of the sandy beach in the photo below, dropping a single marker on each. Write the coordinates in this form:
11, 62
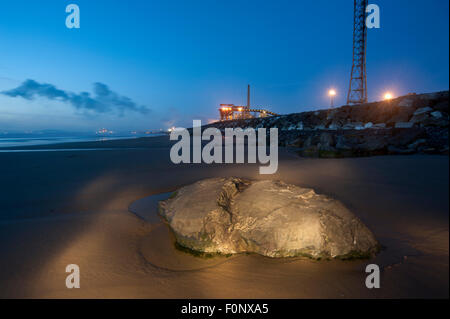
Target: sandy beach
92, 208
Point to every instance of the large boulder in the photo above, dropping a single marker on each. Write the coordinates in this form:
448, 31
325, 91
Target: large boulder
271, 218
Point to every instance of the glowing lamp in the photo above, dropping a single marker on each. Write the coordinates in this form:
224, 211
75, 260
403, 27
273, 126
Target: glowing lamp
388, 96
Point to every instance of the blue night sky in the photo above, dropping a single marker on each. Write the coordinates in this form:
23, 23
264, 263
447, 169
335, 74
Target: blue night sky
164, 63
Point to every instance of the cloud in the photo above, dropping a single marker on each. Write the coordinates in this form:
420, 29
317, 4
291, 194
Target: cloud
103, 101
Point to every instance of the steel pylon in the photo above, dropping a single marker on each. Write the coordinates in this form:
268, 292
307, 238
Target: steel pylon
357, 91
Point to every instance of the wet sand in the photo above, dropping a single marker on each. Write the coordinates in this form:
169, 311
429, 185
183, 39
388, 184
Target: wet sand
92, 209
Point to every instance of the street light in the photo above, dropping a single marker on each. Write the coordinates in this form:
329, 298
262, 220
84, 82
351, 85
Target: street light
332, 94
388, 96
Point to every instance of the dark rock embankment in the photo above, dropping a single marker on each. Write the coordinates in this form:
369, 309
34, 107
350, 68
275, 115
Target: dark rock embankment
415, 123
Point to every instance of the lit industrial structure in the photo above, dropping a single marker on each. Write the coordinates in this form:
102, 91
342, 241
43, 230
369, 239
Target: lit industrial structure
357, 91
233, 112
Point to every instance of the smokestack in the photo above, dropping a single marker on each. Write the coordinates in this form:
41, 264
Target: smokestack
248, 96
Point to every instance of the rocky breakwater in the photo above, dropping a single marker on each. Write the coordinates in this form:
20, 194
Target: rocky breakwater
415, 123
232, 215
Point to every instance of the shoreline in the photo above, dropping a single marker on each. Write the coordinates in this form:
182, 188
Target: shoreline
118, 143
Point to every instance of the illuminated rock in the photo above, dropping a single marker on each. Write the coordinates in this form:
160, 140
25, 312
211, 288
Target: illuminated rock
231, 215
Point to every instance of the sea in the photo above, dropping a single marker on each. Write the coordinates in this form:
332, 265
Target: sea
40, 139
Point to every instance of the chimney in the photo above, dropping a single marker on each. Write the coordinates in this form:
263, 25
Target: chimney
248, 96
